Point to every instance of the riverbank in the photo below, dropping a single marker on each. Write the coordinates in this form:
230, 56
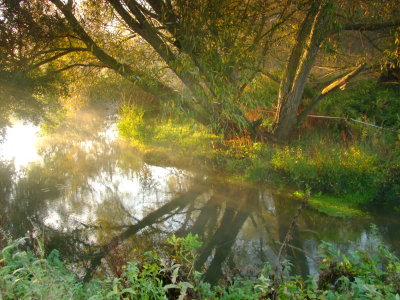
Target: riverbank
342, 174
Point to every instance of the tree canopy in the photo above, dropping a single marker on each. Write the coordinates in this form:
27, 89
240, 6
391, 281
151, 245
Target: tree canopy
216, 50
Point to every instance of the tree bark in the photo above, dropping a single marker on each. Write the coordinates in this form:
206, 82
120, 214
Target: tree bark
328, 89
313, 31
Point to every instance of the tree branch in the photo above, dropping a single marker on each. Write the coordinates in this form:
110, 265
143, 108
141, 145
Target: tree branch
155, 87
371, 27
372, 42
80, 65
328, 89
68, 49
297, 51
149, 33
50, 59
63, 49
270, 76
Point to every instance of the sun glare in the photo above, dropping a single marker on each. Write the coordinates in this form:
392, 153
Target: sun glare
20, 144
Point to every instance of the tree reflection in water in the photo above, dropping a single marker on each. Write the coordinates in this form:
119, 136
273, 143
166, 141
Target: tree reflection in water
90, 193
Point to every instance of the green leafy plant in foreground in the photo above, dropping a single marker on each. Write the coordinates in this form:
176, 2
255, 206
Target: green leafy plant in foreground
24, 276
370, 273
160, 277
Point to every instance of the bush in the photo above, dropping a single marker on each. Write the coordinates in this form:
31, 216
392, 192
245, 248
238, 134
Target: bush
389, 192
367, 100
24, 276
359, 172
329, 170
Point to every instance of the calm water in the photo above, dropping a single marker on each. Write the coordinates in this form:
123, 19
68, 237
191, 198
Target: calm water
83, 187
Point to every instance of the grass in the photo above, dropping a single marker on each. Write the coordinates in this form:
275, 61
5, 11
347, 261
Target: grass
167, 140
335, 206
345, 167
332, 205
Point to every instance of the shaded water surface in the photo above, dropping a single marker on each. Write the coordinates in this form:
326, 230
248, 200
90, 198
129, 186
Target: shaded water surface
82, 187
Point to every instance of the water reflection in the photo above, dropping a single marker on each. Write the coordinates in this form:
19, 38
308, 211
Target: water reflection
90, 192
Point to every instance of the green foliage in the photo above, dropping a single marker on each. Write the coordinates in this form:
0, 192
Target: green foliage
337, 206
184, 248
27, 99
6, 175
366, 100
160, 277
262, 93
389, 192
132, 125
329, 169
341, 177
369, 273
24, 276
165, 138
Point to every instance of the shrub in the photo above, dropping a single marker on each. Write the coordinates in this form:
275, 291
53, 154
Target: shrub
330, 170
24, 276
367, 100
370, 273
389, 192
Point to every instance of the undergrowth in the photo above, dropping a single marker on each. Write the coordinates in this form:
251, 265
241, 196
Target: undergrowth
342, 176
367, 100
370, 273
167, 139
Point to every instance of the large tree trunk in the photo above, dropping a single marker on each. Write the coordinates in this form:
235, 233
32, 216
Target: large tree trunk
312, 32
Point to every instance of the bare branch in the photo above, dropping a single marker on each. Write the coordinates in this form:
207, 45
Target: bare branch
50, 59
270, 76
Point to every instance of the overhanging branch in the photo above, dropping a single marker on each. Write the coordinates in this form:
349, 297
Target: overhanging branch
155, 87
54, 57
80, 65
328, 89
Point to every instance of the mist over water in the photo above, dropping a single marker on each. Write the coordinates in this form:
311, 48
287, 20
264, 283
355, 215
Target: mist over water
82, 186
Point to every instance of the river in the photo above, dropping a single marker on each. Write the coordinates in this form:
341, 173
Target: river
82, 186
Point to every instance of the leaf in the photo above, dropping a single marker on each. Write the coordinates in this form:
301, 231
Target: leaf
186, 285
112, 293
170, 286
18, 270
39, 261
128, 290
175, 274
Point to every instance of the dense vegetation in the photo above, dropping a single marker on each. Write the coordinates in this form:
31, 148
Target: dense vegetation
343, 164
303, 95
370, 273
214, 51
